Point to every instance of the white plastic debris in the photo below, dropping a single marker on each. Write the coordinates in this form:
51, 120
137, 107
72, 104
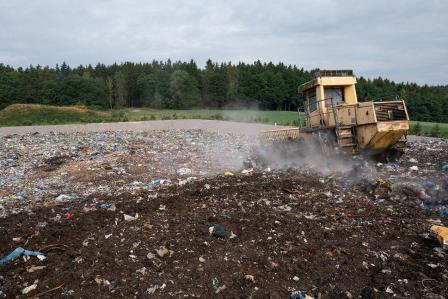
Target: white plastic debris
29, 288
152, 289
184, 171
130, 218
63, 197
34, 268
141, 271
413, 168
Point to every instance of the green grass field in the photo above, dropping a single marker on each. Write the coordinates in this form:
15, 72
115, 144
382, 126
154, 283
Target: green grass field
279, 117
427, 128
30, 114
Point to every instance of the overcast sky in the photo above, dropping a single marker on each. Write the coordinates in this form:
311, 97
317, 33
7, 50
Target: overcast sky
405, 40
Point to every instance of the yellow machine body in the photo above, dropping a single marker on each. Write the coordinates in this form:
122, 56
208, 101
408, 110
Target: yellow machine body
331, 106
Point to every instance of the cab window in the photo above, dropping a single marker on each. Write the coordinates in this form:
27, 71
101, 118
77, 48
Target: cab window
335, 93
311, 98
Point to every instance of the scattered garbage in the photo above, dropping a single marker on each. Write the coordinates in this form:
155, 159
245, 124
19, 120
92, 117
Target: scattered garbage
63, 197
413, 168
217, 287
130, 218
102, 282
18, 252
445, 167
187, 180
164, 252
69, 216
29, 288
228, 173
184, 171
105, 206
157, 182
34, 169
152, 290
299, 295
267, 220
218, 230
141, 271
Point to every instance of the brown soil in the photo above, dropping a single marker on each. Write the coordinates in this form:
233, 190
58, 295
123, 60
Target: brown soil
285, 224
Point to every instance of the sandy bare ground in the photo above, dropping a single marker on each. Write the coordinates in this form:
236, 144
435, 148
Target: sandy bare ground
250, 129
206, 125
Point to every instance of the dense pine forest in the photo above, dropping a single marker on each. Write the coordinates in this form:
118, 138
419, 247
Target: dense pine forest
183, 85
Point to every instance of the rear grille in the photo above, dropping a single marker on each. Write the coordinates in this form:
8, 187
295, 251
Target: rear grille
278, 135
390, 111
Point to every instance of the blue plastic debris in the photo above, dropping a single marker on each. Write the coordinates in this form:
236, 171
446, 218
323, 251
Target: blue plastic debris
297, 295
156, 182
20, 195
219, 231
18, 252
445, 167
442, 211
95, 155
105, 206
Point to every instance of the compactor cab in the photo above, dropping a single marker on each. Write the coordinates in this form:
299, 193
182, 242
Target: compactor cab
333, 113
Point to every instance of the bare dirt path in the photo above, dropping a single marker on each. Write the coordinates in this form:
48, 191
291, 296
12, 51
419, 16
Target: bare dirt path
216, 126
207, 125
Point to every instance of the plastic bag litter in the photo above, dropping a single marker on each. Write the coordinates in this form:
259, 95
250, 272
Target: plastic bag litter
184, 171
18, 252
218, 230
299, 295
413, 168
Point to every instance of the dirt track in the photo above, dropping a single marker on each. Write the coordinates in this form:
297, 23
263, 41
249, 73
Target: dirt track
215, 126
187, 124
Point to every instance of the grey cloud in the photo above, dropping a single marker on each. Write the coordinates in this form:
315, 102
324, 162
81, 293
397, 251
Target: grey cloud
401, 40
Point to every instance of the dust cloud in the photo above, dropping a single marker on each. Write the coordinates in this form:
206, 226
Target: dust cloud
301, 155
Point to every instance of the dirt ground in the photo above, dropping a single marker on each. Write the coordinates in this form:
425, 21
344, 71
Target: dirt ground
122, 232
185, 124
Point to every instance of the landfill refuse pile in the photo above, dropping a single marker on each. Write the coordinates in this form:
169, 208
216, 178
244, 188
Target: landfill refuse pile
81, 219
38, 169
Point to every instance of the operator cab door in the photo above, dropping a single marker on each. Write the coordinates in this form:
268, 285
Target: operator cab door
313, 117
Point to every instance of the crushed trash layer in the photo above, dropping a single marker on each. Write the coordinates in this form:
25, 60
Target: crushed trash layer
217, 230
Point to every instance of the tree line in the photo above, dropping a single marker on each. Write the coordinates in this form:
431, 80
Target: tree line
183, 85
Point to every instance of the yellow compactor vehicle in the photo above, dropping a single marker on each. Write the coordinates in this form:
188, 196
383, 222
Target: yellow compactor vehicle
338, 122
